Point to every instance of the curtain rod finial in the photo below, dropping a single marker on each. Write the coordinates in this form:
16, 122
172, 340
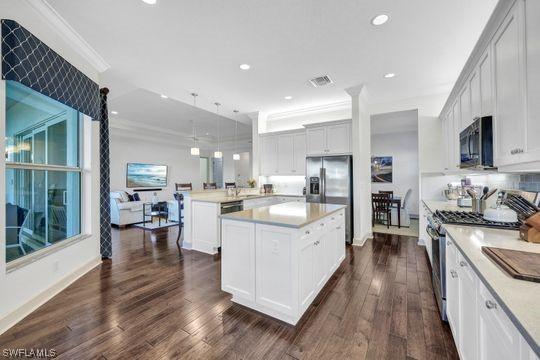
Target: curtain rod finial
104, 91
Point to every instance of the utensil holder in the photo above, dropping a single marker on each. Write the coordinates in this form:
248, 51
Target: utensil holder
478, 205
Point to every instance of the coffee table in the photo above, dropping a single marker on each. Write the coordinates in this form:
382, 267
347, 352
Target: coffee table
155, 209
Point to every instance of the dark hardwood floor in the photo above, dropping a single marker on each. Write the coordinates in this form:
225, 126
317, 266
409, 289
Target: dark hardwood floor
152, 302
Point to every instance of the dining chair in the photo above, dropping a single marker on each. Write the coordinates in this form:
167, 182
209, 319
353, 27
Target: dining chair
16, 218
209, 186
230, 185
380, 204
180, 199
389, 192
183, 186
405, 216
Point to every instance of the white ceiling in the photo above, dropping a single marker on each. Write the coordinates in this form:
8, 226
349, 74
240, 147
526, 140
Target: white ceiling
145, 109
177, 47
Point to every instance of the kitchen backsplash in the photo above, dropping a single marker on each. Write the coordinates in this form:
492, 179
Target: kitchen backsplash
289, 185
529, 182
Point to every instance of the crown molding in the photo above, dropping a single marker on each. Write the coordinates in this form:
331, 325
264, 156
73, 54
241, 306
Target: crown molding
72, 37
311, 110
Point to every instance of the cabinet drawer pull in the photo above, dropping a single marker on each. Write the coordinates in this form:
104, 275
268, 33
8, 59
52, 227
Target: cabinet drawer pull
448, 243
322, 224
308, 232
491, 304
462, 263
333, 218
453, 273
339, 227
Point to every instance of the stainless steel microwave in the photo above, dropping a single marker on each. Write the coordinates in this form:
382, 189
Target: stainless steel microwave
476, 144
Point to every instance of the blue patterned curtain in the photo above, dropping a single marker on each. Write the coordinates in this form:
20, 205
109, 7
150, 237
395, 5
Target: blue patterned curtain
29, 61
104, 176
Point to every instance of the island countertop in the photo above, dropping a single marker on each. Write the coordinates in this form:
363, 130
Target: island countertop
293, 214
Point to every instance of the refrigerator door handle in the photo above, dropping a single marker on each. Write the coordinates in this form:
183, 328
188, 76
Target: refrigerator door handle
323, 185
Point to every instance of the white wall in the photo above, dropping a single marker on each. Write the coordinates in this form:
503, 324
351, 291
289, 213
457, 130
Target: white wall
403, 147
26, 288
182, 166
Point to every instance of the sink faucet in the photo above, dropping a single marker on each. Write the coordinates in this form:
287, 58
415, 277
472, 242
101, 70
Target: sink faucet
237, 191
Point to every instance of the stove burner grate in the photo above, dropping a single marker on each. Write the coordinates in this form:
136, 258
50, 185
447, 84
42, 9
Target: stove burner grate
472, 219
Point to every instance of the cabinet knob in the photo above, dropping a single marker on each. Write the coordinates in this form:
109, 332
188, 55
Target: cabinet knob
307, 232
453, 273
491, 304
448, 243
462, 263
339, 227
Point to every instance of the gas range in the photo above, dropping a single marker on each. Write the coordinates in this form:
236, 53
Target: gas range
467, 219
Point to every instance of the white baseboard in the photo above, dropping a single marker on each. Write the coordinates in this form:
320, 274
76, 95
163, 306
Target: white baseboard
26, 309
362, 241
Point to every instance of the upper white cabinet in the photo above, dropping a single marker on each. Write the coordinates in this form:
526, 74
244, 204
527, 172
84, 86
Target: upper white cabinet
283, 153
465, 108
503, 81
486, 90
532, 35
507, 48
328, 139
269, 155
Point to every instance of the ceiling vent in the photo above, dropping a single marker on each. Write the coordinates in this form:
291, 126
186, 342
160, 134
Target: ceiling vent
321, 81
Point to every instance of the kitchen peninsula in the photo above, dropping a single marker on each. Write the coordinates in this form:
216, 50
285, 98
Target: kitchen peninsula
202, 210
275, 259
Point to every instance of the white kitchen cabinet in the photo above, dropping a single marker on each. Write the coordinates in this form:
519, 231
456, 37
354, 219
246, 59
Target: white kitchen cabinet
486, 90
480, 326
328, 139
274, 264
299, 153
316, 140
476, 96
289, 268
465, 108
338, 138
532, 33
238, 273
285, 153
497, 336
306, 276
507, 49
467, 309
452, 289
269, 155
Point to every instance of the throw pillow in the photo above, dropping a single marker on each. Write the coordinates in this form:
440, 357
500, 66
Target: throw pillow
130, 197
136, 197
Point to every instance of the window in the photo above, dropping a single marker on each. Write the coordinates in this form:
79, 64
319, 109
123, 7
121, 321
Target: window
43, 171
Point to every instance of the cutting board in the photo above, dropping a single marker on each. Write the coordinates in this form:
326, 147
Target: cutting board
518, 264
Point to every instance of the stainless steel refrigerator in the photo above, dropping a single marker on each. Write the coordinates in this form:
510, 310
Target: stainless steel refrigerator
329, 180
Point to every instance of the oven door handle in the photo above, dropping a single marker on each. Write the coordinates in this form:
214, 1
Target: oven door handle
432, 233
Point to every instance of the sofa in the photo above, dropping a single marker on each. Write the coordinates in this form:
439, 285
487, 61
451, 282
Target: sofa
123, 211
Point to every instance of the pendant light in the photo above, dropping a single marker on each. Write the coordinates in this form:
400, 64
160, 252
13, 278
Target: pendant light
218, 154
195, 151
236, 155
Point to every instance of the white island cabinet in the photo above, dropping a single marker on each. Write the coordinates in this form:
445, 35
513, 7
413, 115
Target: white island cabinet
276, 259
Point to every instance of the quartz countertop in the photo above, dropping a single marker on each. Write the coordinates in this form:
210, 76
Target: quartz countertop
450, 205
223, 198
293, 214
519, 298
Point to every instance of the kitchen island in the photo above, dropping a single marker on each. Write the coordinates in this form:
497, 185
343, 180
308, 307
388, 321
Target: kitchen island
202, 210
276, 259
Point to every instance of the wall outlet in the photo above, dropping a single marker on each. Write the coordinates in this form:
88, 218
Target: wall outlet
275, 246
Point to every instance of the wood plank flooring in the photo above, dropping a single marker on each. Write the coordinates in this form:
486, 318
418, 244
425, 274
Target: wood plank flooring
152, 302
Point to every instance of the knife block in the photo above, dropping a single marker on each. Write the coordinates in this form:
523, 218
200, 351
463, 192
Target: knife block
529, 233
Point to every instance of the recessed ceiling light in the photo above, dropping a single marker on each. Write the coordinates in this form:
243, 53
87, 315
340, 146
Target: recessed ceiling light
164, 96
114, 112
380, 19
150, 2
288, 97
244, 67
389, 75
